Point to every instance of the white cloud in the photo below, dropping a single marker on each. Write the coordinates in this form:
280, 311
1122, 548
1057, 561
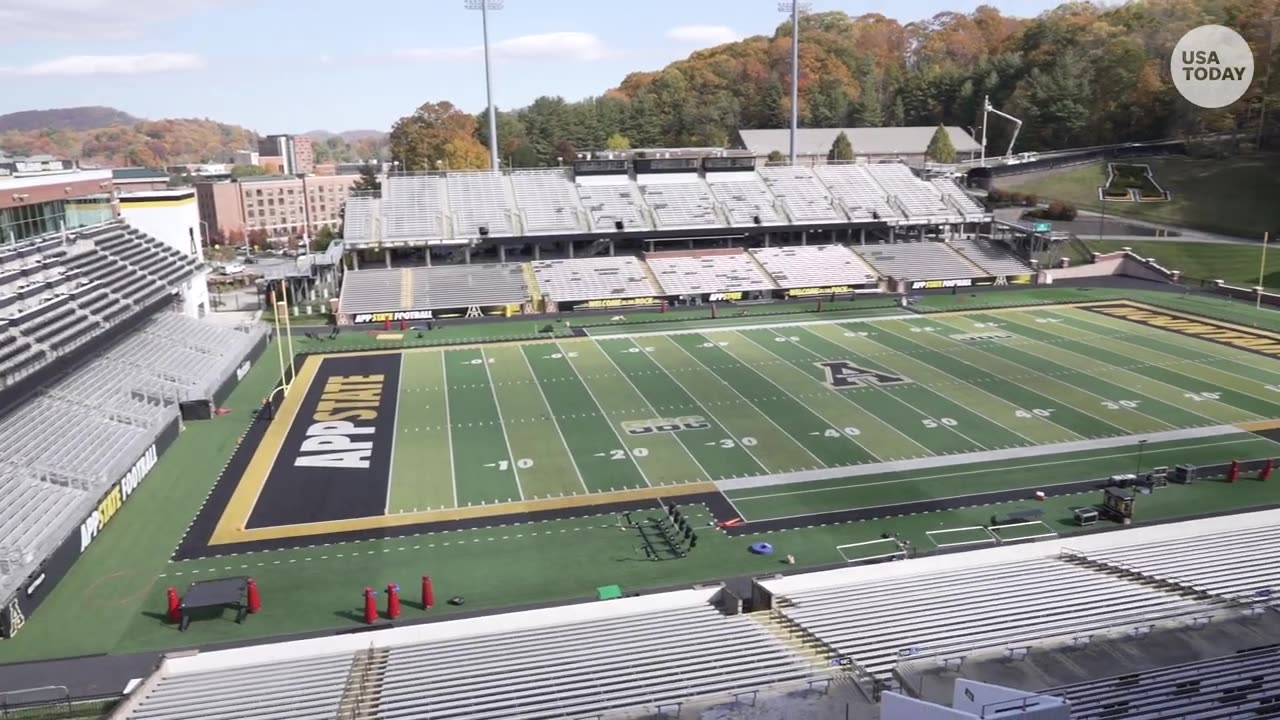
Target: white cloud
546, 47
79, 65
92, 18
703, 34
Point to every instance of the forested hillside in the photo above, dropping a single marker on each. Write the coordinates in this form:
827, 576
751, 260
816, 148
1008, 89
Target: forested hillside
1077, 75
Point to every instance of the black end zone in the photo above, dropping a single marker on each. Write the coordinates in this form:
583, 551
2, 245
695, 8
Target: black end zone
335, 463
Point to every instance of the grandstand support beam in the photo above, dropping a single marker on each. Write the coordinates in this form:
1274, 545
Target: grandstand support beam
484, 6
502, 253
537, 251
386, 258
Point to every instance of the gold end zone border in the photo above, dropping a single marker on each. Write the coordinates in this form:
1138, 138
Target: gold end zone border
231, 526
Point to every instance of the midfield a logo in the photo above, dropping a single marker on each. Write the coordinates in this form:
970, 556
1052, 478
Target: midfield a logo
844, 374
13, 621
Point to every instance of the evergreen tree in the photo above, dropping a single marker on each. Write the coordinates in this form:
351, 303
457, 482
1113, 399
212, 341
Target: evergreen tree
940, 147
842, 149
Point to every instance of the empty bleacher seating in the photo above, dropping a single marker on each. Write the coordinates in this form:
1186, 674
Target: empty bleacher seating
918, 261
413, 207
454, 286
745, 197
636, 657
480, 202
990, 257
548, 201
357, 218
917, 198
1243, 685
377, 290
591, 278
814, 266
877, 621
684, 202
804, 198
611, 200
963, 201
698, 274
862, 196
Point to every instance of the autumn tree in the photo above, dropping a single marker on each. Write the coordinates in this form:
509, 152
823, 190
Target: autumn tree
940, 148
776, 156
324, 236
240, 171
842, 149
437, 135
618, 141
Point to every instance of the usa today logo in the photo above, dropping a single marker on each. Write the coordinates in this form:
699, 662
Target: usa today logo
1212, 66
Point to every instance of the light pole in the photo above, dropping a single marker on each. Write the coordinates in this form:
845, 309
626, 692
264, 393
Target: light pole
1141, 445
484, 6
794, 7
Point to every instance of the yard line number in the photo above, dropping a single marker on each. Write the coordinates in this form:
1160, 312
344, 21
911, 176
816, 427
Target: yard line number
1118, 404
940, 422
1200, 396
1034, 412
504, 465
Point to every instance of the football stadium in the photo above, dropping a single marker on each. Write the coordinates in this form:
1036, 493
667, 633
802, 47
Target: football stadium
673, 433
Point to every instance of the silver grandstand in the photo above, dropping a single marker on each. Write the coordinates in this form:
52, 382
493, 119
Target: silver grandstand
464, 207
103, 289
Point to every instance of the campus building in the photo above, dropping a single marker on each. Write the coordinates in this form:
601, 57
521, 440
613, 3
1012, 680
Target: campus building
44, 194
875, 144
295, 153
281, 206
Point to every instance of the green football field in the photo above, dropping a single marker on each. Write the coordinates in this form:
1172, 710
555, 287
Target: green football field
997, 399
505, 423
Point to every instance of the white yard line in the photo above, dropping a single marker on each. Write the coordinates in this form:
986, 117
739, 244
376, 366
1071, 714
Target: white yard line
555, 422
763, 414
704, 408
395, 431
981, 457
448, 424
484, 360
604, 415
706, 475
843, 344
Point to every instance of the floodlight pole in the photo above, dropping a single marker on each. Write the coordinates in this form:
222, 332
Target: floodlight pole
484, 6
1262, 268
794, 7
1266, 83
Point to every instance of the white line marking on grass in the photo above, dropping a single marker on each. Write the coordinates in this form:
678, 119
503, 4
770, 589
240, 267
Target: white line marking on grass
448, 426
981, 457
705, 475
498, 407
961, 380
1121, 370
788, 393
748, 402
603, 414
545, 403
395, 423
731, 328
1010, 379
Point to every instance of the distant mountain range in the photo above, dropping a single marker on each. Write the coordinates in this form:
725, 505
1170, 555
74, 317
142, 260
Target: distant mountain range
74, 118
107, 136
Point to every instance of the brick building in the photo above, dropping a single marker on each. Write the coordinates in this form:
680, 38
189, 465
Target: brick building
281, 206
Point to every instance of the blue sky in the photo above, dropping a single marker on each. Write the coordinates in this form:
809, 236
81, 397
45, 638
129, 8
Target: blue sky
292, 66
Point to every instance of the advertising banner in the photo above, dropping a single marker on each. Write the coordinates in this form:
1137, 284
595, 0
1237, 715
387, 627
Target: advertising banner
991, 281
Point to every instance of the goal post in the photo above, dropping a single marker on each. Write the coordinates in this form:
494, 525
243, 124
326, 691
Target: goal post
961, 537
869, 550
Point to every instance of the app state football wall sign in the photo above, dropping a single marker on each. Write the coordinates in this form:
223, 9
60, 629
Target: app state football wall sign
844, 374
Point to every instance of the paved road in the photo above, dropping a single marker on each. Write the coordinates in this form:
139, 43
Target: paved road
1118, 227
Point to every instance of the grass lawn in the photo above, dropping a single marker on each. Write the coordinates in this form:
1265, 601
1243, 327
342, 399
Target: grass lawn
1232, 196
1237, 264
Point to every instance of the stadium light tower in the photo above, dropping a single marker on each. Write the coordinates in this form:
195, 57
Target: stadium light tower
795, 7
484, 6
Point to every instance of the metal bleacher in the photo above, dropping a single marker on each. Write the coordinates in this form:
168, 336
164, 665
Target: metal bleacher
916, 197
480, 200
548, 201
861, 196
413, 207
1243, 685
879, 621
591, 278
963, 201
918, 261
680, 201
613, 199
357, 218
989, 257
814, 266
802, 196
640, 655
697, 274
744, 198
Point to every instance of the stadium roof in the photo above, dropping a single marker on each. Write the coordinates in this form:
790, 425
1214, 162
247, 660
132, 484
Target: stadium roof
138, 173
865, 141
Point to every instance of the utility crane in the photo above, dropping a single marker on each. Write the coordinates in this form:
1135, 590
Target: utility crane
987, 107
